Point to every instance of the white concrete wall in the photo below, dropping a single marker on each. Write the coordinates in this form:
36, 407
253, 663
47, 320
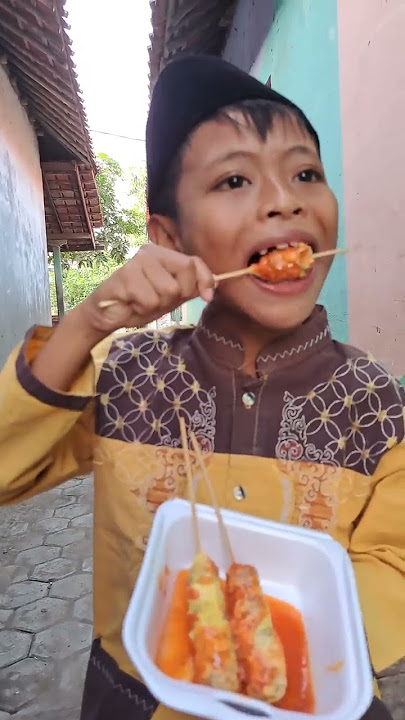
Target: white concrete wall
24, 290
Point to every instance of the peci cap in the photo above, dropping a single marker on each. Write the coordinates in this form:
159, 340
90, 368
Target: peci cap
191, 89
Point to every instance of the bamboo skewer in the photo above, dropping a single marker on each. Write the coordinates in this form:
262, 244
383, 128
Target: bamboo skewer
191, 491
250, 270
222, 527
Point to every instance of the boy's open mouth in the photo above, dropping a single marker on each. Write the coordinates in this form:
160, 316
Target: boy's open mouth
282, 263
257, 256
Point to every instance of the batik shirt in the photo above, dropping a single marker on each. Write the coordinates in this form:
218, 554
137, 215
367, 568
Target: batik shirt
316, 439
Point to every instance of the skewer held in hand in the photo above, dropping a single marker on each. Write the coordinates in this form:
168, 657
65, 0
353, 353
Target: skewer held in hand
250, 270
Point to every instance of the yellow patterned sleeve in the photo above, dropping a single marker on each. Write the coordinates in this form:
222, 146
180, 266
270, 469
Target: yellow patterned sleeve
377, 551
46, 437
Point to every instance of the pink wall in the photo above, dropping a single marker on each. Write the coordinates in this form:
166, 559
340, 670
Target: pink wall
372, 82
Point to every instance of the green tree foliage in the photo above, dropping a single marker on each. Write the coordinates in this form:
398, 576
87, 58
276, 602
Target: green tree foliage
79, 282
124, 229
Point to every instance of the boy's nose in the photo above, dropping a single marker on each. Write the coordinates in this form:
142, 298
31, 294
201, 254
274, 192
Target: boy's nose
275, 213
279, 201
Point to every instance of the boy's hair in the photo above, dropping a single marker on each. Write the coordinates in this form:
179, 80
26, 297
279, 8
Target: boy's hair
259, 114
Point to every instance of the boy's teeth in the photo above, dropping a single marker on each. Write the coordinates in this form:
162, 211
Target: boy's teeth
280, 246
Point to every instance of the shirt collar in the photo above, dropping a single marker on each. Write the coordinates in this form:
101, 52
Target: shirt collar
310, 337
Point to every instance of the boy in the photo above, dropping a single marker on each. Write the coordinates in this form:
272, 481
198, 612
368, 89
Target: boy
233, 170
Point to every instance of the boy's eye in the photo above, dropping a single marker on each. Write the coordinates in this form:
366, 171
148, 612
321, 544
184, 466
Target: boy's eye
309, 176
233, 182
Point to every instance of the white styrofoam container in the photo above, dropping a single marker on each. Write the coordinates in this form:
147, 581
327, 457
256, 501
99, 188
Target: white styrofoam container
303, 567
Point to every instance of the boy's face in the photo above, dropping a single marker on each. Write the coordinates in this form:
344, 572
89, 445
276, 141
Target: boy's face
238, 194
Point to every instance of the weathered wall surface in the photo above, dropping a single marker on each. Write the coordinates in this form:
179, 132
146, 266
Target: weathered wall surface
301, 55
24, 291
372, 75
251, 24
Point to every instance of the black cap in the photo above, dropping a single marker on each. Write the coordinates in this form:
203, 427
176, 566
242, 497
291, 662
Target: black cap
188, 91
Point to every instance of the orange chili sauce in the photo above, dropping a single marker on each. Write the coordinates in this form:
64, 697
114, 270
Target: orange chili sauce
174, 656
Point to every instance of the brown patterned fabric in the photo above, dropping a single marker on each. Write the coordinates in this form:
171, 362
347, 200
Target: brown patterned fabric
314, 399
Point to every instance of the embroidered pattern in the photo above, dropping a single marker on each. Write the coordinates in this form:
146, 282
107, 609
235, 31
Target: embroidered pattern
221, 339
143, 390
298, 349
350, 420
146, 388
315, 490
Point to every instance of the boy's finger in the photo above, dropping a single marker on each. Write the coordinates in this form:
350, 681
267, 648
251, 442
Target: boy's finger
178, 265
205, 280
207, 295
142, 295
165, 285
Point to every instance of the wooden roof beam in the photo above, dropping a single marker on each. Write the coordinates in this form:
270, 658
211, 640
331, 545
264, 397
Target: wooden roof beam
89, 225
60, 137
45, 97
69, 236
59, 166
44, 107
50, 199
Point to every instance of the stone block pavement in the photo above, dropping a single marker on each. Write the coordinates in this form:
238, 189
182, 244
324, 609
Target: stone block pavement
46, 602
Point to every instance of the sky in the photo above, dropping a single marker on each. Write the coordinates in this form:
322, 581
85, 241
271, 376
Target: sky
110, 41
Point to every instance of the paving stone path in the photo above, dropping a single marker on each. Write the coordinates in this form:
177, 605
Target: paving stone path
45, 603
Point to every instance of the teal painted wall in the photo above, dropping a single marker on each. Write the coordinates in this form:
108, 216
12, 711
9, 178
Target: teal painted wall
192, 311
301, 55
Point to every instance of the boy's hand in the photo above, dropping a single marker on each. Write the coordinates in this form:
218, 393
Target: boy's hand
153, 283
150, 285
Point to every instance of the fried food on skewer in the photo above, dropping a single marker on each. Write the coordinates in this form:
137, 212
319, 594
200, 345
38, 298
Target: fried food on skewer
281, 264
214, 653
290, 263
215, 661
259, 650
244, 652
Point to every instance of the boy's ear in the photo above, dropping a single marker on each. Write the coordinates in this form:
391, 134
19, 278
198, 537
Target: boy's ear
163, 231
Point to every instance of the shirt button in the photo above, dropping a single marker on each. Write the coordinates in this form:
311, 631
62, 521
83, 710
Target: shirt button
248, 399
239, 493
